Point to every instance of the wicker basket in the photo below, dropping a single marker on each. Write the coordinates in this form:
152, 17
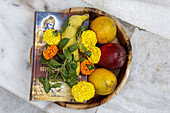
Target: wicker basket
122, 74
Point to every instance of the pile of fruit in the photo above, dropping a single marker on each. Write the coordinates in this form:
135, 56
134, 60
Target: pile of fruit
75, 51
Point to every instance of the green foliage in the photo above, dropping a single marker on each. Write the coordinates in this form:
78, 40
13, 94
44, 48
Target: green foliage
46, 46
41, 79
67, 54
47, 86
56, 85
54, 63
61, 56
64, 68
81, 29
73, 65
81, 59
63, 43
65, 26
73, 48
88, 53
82, 47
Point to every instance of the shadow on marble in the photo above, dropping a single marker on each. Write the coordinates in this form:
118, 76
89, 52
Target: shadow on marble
10, 103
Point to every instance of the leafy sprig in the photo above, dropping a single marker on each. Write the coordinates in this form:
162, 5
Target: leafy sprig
63, 68
57, 71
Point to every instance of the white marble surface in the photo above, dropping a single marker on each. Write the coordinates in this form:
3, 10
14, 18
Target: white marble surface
9, 102
152, 15
147, 90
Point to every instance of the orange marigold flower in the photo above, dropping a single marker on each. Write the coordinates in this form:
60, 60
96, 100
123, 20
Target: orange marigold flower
86, 67
50, 52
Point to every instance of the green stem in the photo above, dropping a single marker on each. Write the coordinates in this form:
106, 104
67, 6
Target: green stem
46, 74
58, 69
78, 39
57, 74
54, 69
65, 62
63, 73
62, 76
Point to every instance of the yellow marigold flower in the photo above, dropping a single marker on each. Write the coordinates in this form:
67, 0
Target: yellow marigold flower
51, 38
88, 38
83, 91
95, 55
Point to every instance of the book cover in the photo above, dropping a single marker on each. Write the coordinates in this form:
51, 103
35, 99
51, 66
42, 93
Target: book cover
43, 22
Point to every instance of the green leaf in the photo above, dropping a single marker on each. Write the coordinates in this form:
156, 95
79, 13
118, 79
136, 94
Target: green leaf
84, 28
65, 71
56, 85
82, 47
61, 56
54, 63
72, 48
68, 66
50, 77
53, 74
60, 61
74, 78
59, 78
67, 54
72, 57
90, 66
41, 79
81, 29
46, 46
65, 25
55, 33
64, 74
88, 53
72, 72
81, 59
43, 60
73, 83
74, 65
63, 43
54, 80
47, 86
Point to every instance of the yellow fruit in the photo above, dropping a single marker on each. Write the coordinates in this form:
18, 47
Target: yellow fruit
104, 28
75, 22
103, 80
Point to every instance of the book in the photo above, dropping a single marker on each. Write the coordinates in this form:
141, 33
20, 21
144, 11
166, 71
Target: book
43, 22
